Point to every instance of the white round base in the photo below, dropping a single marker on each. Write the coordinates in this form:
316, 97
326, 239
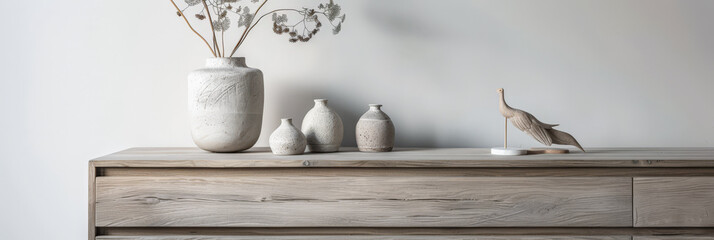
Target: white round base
508, 151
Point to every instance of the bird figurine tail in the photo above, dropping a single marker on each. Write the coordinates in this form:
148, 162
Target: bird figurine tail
563, 138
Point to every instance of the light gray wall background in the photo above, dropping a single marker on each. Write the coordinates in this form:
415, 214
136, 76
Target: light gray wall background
83, 78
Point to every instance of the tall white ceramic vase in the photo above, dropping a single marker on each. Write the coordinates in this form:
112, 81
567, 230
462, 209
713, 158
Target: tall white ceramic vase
225, 105
322, 128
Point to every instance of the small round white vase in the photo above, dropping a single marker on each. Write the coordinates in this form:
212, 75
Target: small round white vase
375, 131
322, 128
287, 139
225, 105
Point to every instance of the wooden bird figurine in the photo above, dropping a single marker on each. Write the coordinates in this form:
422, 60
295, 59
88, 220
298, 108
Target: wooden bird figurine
542, 132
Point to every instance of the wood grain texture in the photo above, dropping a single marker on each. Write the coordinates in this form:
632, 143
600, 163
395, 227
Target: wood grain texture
386, 231
188, 169
404, 172
347, 237
409, 158
673, 201
671, 238
92, 200
363, 201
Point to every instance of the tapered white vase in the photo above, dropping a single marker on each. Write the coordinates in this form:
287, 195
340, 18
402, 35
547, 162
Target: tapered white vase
225, 105
287, 139
322, 128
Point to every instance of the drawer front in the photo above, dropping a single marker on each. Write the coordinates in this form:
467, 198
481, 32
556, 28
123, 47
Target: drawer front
363, 201
333, 237
674, 201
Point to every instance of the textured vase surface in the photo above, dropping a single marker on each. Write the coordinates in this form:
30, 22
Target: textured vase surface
225, 105
322, 128
375, 131
287, 139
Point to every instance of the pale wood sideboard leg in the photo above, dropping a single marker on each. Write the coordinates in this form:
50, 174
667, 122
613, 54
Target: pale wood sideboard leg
92, 201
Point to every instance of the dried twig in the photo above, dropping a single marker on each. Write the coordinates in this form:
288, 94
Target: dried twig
247, 29
194, 30
213, 30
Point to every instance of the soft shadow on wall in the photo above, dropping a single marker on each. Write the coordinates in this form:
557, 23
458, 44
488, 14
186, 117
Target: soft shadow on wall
406, 60
297, 99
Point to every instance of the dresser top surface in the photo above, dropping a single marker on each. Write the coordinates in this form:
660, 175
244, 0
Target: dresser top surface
408, 157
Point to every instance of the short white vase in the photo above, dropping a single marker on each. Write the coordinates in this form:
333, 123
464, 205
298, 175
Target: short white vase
322, 128
375, 131
287, 139
225, 105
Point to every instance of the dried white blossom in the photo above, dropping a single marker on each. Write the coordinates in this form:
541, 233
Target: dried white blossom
332, 10
222, 24
246, 18
278, 19
192, 2
337, 28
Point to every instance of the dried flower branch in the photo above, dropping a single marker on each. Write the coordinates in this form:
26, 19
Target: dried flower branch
213, 29
248, 27
308, 26
180, 13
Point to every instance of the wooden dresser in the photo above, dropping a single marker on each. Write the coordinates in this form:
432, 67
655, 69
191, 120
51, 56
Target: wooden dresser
420, 194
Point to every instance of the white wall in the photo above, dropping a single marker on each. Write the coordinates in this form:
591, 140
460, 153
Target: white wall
83, 78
